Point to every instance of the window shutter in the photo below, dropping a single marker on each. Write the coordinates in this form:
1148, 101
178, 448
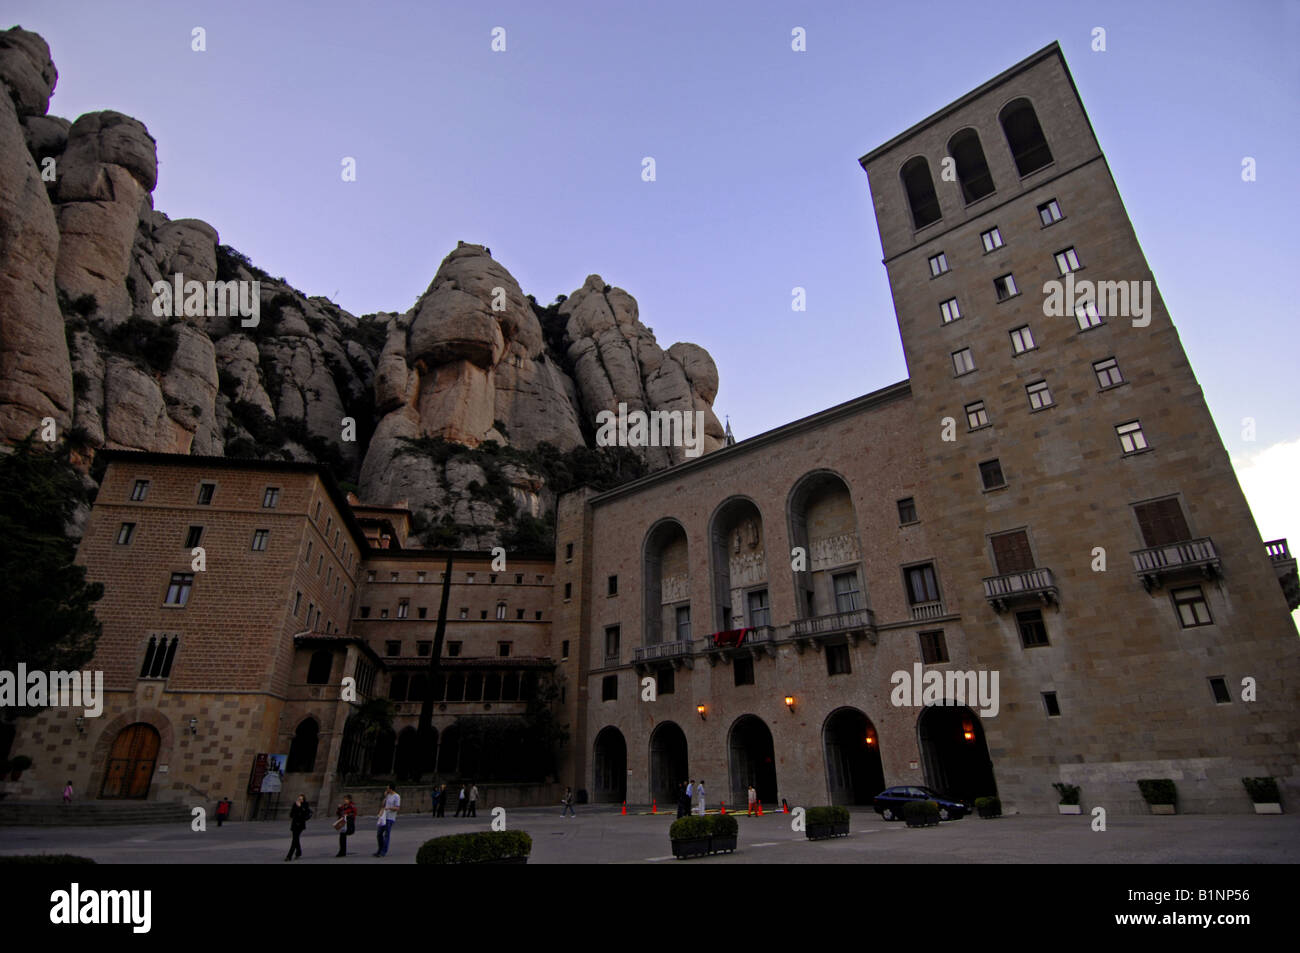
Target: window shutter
1011, 552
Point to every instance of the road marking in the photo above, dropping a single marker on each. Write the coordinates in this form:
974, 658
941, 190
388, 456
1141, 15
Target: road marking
770, 843
655, 859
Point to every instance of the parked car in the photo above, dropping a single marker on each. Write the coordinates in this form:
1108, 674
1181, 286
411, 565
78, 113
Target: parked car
889, 803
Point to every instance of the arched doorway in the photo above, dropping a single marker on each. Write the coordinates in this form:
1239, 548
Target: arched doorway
302, 750
853, 771
381, 758
131, 762
449, 753
668, 762
957, 762
753, 760
609, 775
404, 761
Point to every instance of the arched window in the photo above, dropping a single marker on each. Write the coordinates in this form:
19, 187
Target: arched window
920, 192
972, 171
318, 672
1025, 136
397, 687
302, 751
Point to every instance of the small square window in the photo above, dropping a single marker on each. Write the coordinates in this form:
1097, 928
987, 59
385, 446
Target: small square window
205, 493
501, 610
464, 613
392, 577
934, 649
1039, 395
991, 474
271, 498
424, 648
178, 589
743, 670
370, 576
683, 616
393, 648
383, 613
1067, 261
260, 538
568, 590
538, 615
503, 649
365, 612
1022, 340
1087, 316
419, 577
125, 533
192, 536
1033, 631
423, 612
949, 311
1107, 371
1004, 286
453, 649
519, 614
665, 681
1192, 608
140, 490
938, 264
612, 638
482, 614
564, 649
492, 578
962, 362
519, 579
976, 415
568, 550
1131, 437
1049, 212
612, 586
907, 510
609, 688
837, 660
469, 578
992, 239
1050, 703
403, 608
1219, 689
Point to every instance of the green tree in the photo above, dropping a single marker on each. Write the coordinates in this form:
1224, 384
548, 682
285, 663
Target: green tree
45, 601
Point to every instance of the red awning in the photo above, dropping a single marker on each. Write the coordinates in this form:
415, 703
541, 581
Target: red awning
729, 639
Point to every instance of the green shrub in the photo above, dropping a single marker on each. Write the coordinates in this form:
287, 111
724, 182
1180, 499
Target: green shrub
45, 859
475, 848
689, 828
1069, 792
1262, 790
722, 825
827, 815
1158, 790
921, 812
988, 806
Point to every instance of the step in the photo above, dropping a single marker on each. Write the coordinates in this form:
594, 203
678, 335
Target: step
90, 813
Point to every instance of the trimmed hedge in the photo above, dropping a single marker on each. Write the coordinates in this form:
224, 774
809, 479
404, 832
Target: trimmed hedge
826, 815
711, 825
988, 806
45, 859
921, 813
476, 848
723, 825
1069, 792
1158, 790
1262, 790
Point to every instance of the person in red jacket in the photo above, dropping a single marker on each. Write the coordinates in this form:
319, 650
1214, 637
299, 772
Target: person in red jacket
347, 813
223, 810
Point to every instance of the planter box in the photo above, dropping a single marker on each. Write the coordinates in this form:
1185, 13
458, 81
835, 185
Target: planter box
840, 829
1163, 809
718, 845
923, 822
825, 831
988, 814
695, 847
506, 860
1069, 808
1267, 808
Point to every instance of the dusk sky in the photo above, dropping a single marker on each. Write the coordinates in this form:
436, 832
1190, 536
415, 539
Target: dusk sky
537, 152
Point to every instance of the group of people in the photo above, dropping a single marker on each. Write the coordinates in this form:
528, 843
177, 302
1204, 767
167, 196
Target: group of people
346, 822
466, 803
690, 798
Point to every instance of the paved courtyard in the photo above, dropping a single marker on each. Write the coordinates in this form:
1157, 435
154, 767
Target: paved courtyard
603, 836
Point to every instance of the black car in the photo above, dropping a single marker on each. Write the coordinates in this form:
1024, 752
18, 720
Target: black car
889, 803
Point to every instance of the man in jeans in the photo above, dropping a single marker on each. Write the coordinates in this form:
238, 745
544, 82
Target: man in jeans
392, 804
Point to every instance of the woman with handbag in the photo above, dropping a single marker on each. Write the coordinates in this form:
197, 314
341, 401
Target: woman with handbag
299, 814
346, 823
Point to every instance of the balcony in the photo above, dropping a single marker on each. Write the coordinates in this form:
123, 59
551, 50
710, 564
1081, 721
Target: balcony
752, 640
855, 623
1189, 557
678, 652
1285, 566
924, 611
1012, 587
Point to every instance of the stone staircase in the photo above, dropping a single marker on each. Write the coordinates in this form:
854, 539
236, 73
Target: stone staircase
92, 813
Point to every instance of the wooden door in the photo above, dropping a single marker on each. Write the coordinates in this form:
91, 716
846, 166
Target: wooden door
131, 762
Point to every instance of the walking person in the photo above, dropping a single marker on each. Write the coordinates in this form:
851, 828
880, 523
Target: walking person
442, 801
690, 796
460, 803
346, 824
473, 800
388, 817
567, 801
299, 815
753, 800
223, 811
67, 793
699, 798
433, 802
683, 802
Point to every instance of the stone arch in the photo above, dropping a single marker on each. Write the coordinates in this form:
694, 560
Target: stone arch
854, 774
823, 521
302, 749
665, 574
609, 766
918, 186
738, 558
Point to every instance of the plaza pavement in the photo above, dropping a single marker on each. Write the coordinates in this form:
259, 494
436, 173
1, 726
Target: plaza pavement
600, 835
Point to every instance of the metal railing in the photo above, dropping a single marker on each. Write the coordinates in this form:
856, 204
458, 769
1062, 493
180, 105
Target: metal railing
646, 653
835, 622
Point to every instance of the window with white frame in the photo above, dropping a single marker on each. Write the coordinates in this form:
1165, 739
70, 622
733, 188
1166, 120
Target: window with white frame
1107, 372
1039, 395
962, 361
949, 310
1067, 261
938, 264
1087, 315
976, 415
1022, 340
1049, 212
992, 239
1004, 286
1131, 437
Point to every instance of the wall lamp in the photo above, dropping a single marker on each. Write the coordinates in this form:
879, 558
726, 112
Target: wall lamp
789, 703
703, 710
80, 722
194, 726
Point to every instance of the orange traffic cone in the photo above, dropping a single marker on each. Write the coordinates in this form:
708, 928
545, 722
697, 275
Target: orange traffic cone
625, 808
785, 808
654, 805
760, 808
